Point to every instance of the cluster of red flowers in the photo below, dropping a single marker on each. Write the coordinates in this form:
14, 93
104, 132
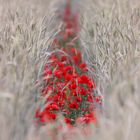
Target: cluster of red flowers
67, 87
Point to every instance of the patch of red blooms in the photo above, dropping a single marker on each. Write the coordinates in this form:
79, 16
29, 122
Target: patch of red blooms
67, 88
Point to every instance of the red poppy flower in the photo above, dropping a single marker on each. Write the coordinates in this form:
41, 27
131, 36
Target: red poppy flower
66, 80
68, 77
69, 24
83, 65
54, 106
63, 58
83, 79
83, 91
73, 105
67, 120
68, 68
74, 51
99, 99
90, 84
61, 65
79, 99
52, 116
58, 73
90, 99
73, 86
76, 59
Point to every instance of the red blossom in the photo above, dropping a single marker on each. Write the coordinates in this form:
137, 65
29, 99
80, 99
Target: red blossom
90, 98
79, 99
66, 84
68, 77
54, 106
68, 68
87, 118
99, 99
73, 86
83, 65
63, 58
74, 51
67, 120
58, 73
73, 105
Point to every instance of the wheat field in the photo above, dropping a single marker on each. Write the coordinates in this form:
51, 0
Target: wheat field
110, 36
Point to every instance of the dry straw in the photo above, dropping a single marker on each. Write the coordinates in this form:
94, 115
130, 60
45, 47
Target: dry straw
110, 36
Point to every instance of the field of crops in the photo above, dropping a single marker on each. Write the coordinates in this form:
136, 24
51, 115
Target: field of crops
109, 36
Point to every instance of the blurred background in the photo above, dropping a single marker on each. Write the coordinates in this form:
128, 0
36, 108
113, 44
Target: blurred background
110, 34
